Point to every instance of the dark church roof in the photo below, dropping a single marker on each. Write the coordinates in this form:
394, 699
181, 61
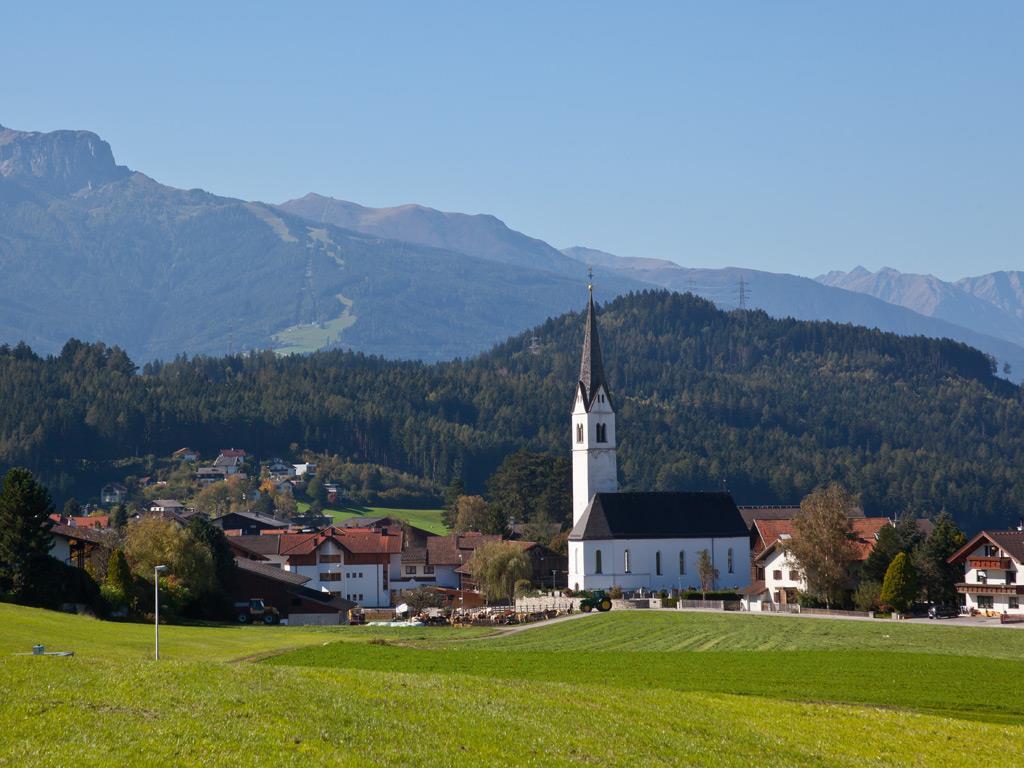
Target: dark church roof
591, 364
660, 516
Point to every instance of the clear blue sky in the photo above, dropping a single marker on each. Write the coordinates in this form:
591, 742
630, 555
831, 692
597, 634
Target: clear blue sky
786, 136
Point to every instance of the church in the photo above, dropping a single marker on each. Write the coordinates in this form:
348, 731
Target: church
634, 540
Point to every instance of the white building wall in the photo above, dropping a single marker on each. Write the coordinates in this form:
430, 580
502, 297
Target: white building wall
643, 563
594, 467
1011, 604
780, 561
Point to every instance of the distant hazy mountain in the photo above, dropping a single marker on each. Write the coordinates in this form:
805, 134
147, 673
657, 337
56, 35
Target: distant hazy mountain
782, 295
480, 235
1001, 289
928, 295
94, 250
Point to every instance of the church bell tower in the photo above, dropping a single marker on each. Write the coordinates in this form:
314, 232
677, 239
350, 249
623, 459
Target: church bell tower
593, 424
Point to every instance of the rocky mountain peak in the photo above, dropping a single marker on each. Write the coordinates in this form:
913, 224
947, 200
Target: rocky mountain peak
59, 162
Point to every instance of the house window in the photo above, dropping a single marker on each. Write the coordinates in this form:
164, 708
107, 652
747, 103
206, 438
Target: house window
793, 576
777, 575
984, 601
682, 563
983, 577
428, 569
730, 559
330, 558
324, 576
1011, 577
579, 433
625, 561
1013, 603
597, 562
602, 433
410, 570
760, 574
991, 551
657, 563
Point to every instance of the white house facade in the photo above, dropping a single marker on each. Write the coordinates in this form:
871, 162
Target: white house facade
648, 541
993, 563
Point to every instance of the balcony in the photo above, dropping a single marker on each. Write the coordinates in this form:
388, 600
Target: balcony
993, 563
990, 589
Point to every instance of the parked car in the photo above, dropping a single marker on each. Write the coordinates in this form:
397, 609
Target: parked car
943, 612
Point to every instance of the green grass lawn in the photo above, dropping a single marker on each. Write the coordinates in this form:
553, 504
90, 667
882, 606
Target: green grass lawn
629, 688
427, 519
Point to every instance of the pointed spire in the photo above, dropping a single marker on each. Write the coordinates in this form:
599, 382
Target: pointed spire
591, 364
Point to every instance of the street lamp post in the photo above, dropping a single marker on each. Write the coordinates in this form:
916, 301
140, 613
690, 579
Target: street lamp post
157, 570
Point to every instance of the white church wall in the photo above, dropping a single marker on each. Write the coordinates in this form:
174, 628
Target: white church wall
643, 570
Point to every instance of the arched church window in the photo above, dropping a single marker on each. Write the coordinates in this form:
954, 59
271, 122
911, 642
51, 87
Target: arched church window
625, 561
602, 434
657, 563
730, 559
682, 563
597, 562
579, 433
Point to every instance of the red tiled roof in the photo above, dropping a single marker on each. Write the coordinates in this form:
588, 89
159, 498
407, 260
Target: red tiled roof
863, 532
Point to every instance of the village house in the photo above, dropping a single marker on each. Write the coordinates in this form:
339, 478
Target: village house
230, 465
993, 563
209, 475
278, 468
113, 493
76, 546
776, 579
304, 469
351, 563
186, 454
166, 505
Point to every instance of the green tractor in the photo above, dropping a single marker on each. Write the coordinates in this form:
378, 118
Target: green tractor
598, 599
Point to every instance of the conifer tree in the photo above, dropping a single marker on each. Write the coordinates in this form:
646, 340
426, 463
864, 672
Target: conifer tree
25, 539
900, 586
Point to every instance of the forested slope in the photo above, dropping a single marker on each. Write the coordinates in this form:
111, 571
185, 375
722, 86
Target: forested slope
769, 408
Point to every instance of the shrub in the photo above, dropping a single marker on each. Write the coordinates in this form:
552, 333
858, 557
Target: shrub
866, 598
523, 588
615, 593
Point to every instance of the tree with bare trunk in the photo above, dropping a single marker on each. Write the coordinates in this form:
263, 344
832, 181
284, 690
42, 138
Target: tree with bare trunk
822, 543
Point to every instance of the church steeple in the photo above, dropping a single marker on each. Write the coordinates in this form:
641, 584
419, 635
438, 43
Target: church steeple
591, 364
594, 467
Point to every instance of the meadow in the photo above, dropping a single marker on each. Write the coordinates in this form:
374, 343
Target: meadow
427, 519
629, 688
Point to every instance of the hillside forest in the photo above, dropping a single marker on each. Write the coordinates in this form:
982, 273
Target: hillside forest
768, 408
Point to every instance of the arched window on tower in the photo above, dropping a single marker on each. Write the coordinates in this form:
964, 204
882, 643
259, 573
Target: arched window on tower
657, 563
682, 562
579, 433
597, 562
625, 562
602, 433
730, 559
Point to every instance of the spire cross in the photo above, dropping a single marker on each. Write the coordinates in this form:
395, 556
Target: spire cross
590, 279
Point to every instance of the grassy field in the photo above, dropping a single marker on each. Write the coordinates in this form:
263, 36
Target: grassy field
311, 337
632, 688
427, 519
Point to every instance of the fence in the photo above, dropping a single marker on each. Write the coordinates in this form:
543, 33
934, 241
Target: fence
710, 605
549, 603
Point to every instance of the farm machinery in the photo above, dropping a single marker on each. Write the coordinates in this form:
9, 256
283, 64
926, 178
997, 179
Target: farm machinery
597, 601
256, 611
